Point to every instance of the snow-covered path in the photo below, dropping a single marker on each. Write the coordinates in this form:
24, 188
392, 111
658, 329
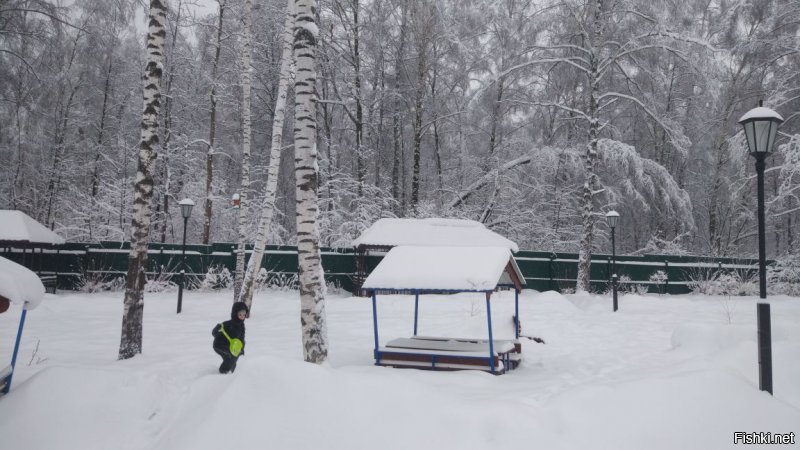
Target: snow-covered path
662, 373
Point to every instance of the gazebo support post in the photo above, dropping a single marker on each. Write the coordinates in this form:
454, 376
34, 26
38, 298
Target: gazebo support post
16, 348
516, 313
375, 325
491, 340
416, 310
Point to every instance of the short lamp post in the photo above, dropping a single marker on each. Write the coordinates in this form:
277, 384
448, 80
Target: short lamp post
186, 210
760, 128
612, 217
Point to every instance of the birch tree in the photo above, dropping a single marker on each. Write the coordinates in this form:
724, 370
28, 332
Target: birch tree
398, 190
311, 275
424, 19
212, 129
268, 202
245, 184
609, 40
131, 340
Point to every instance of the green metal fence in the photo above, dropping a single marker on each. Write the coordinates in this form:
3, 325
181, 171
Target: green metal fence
558, 271
74, 262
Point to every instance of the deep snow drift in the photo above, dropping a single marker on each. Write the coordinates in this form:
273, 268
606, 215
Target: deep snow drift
664, 372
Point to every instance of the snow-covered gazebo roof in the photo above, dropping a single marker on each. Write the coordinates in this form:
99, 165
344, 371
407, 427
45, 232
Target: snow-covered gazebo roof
19, 285
445, 268
17, 228
431, 232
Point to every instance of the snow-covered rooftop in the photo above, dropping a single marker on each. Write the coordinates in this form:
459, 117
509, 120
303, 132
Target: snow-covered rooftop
442, 268
16, 226
432, 232
19, 284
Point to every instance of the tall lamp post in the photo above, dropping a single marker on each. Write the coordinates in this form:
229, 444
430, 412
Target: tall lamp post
612, 217
186, 210
760, 128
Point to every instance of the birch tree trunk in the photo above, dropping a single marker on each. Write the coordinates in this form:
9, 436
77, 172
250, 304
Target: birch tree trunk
361, 165
423, 31
419, 97
397, 131
245, 186
590, 189
268, 203
171, 68
131, 340
591, 183
311, 276
212, 129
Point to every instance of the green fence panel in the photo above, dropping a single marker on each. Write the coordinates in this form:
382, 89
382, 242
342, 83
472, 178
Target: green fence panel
77, 262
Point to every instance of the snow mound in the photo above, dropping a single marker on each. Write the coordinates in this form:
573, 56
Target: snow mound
709, 338
686, 402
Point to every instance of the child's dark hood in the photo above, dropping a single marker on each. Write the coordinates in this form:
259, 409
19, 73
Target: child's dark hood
238, 306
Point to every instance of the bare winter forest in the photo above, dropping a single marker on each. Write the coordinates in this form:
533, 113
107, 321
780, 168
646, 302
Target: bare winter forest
533, 117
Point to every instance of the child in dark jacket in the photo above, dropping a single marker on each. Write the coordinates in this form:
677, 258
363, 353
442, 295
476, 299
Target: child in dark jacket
234, 329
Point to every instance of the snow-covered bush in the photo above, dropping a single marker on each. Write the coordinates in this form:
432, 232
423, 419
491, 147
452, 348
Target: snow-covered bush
784, 276
626, 285
658, 246
720, 282
276, 280
659, 278
160, 283
333, 287
96, 282
217, 277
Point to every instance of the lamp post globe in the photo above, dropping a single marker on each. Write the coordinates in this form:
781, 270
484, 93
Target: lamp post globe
186, 207
186, 210
612, 218
760, 129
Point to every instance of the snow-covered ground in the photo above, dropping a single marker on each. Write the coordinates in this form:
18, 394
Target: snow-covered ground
665, 372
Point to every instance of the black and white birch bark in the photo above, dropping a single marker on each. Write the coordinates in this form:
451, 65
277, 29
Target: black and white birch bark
246, 133
311, 275
591, 183
131, 340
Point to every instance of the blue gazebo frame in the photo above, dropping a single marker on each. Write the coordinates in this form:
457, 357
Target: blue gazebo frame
417, 292
7, 379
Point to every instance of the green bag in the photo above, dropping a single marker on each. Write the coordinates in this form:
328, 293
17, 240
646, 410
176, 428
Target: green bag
235, 345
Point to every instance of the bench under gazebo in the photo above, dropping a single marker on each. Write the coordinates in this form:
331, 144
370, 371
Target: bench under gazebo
447, 270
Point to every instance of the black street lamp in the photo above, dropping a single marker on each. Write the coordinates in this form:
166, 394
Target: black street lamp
760, 128
186, 210
612, 217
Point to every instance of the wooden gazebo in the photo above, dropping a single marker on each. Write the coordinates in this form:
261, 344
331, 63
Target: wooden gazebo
447, 270
20, 238
385, 234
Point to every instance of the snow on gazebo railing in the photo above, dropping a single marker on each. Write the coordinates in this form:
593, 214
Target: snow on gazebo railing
447, 270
